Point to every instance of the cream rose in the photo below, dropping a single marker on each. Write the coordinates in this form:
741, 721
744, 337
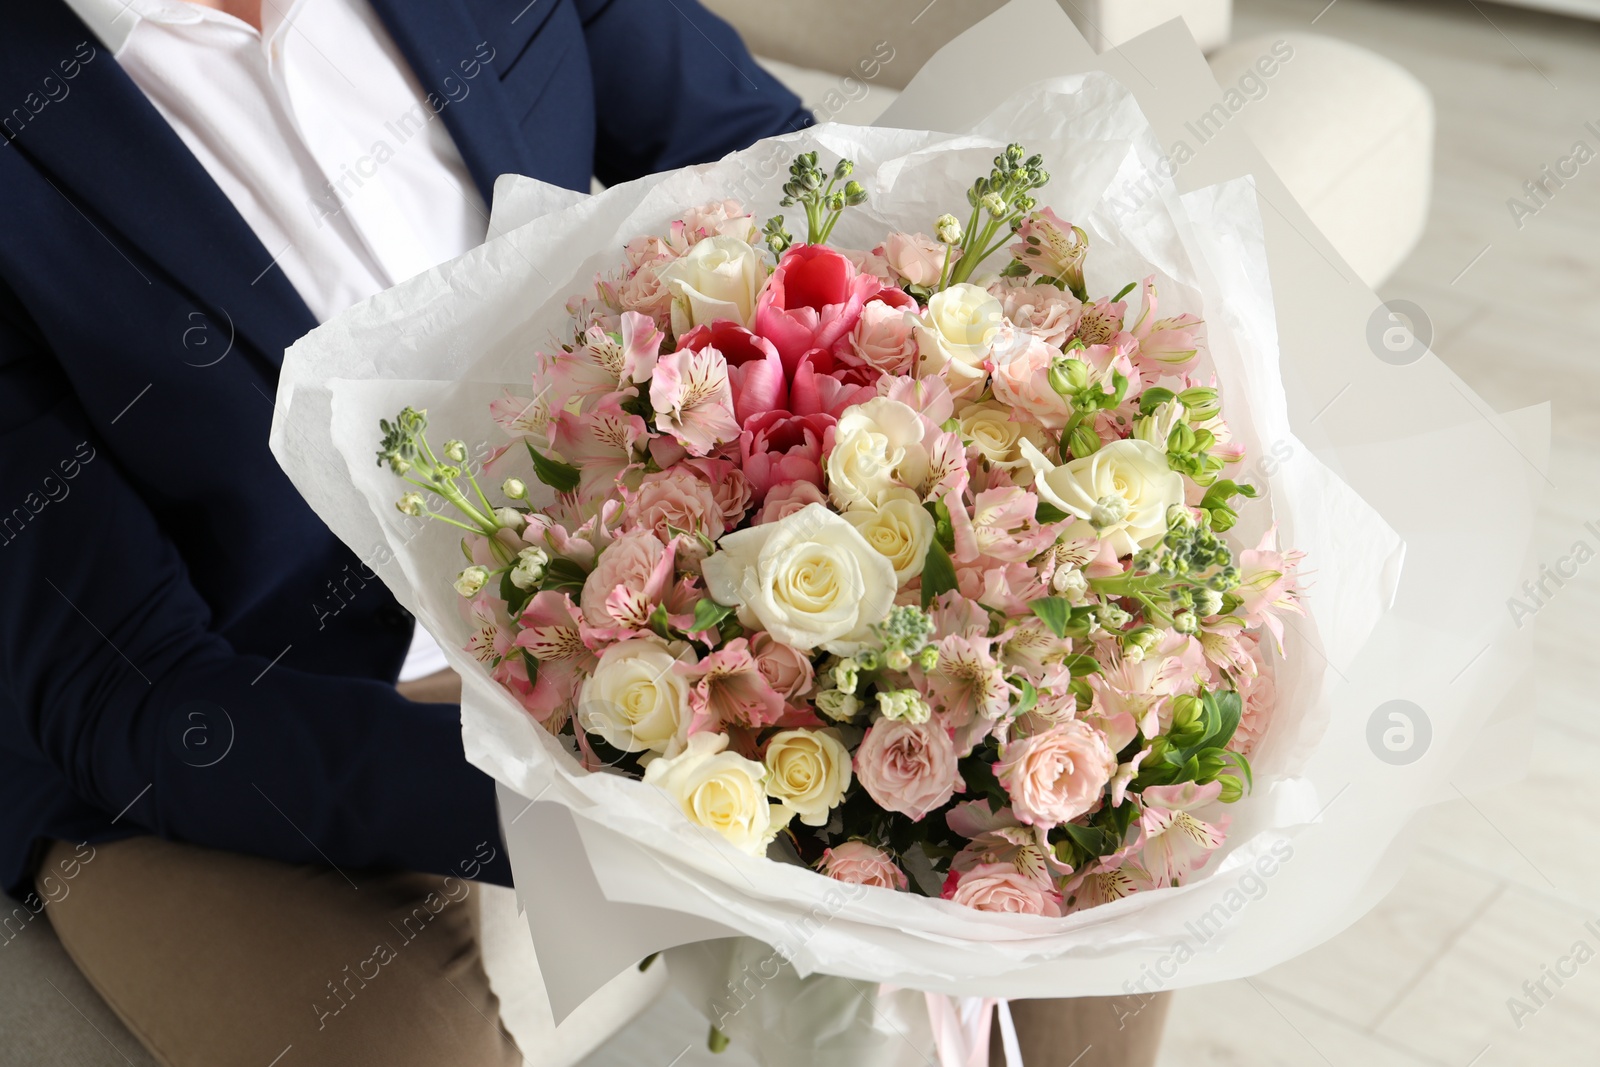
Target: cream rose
721, 791
810, 580
997, 434
1121, 492
808, 771
877, 446
719, 278
637, 699
957, 334
899, 528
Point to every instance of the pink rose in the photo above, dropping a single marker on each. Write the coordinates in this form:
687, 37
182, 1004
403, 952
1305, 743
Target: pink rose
871, 263
859, 863
1020, 364
811, 302
776, 447
755, 373
1043, 310
786, 499
1056, 776
908, 767
631, 577
787, 670
728, 485
916, 257
1258, 696
677, 498
1001, 887
884, 338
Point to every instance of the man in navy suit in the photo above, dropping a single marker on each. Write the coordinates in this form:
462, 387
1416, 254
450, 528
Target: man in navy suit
251, 842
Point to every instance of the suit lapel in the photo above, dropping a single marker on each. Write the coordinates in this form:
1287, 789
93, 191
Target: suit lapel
107, 149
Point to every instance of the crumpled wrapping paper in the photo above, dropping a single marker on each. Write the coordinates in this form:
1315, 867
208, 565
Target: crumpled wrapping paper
609, 871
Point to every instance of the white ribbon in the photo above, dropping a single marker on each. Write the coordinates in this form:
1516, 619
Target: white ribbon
961, 1030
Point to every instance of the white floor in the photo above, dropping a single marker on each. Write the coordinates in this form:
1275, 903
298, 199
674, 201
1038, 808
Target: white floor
1506, 884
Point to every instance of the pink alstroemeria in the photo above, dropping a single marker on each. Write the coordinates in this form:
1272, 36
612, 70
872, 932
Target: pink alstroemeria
730, 690
693, 401
1166, 345
1053, 247
521, 416
1268, 585
1176, 842
813, 301
755, 373
600, 443
491, 630
1103, 882
969, 685
1000, 526
552, 634
998, 837
1144, 688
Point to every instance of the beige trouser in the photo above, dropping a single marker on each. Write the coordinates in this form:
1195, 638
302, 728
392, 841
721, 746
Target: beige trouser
215, 959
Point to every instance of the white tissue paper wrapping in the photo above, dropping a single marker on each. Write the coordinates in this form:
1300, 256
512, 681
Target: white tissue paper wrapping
607, 868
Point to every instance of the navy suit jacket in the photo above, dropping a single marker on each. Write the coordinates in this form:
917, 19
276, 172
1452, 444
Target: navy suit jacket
185, 649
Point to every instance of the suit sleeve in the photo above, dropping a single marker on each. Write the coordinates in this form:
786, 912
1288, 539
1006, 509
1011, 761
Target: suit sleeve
674, 86
107, 652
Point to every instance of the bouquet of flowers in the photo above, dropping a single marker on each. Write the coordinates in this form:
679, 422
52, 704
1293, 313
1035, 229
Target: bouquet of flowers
888, 572
909, 564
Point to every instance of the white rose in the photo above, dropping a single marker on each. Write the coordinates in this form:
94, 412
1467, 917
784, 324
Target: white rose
957, 334
637, 699
877, 446
721, 791
997, 434
719, 278
808, 770
1123, 490
899, 528
810, 580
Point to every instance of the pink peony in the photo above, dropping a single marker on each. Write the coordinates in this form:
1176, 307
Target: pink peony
786, 499
632, 576
812, 301
916, 257
884, 339
788, 671
1020, 367
1001, 887
859, 863
1042, 310
1058, 775
755, 373
775, 448
908, 767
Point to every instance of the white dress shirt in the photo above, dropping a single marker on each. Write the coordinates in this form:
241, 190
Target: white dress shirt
319, 134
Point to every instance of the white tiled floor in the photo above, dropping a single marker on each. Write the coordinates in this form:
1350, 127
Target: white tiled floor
1504, 885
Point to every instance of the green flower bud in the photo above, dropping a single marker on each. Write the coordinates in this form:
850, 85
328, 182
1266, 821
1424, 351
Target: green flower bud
410, 504
897, 659
869, 659
1186, 622
948, 229
1083, 441
514, 488
510, 518
928, 658
1207, 602
456, 450
1202, 402
1068, 376
846, 675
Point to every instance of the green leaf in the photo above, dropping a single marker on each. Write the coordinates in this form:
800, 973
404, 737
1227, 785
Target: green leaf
1047, 512
1081, 665
1030, 696
1054, 612
708, 615
943, 531
1153, 397
1228, 708
564, 576
938, 573
1125, 290
660, 623
562, 477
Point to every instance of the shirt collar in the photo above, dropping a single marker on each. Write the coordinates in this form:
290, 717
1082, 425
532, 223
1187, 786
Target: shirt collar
113, 20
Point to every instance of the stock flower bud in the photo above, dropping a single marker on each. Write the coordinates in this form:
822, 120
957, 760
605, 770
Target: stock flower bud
456, 450
897, 659
869, 659
846, 673
838, 705
514, 488
1207, 602
904, 705
510, 518
410, 504
948, 229
470, 580
928, 658
1186, 622
532, 564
